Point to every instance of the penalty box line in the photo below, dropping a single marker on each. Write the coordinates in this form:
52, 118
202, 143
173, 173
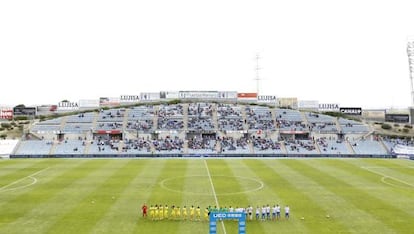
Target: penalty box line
214, 193
19, 180
387, 176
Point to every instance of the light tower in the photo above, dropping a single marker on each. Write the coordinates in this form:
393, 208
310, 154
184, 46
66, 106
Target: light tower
257, 73
410, 52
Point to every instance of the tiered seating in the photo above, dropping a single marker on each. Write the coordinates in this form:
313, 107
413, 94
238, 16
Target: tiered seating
368, 147
351, 126
205, 133
200, 116
301, 147
77, 128
48, 126
321, 123
141, 119
101, 145
71, 147
110, 120
170, 117
168, 145
229, 145
330, 146
266, 146
81, 118
137, 146
34, 147
290, 120
259, 118
202, 145
229, 117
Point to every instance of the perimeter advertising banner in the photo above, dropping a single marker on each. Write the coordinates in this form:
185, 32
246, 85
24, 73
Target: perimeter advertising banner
129, 98
88, 103
397, 118
199, 95
6, 113
351, 110
67, 106
288, 102
169, 95
247, 97
150, 96
271, 99
227, 95
24, 111
109, 101
329, 107
308, 105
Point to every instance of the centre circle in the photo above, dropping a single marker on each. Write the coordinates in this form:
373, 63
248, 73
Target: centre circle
204, 185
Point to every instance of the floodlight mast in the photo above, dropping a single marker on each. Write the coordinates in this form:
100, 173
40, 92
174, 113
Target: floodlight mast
257, 73
410, 53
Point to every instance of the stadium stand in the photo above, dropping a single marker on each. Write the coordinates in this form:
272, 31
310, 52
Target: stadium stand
200, 128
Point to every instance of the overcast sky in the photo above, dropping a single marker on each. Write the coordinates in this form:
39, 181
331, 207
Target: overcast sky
348, 52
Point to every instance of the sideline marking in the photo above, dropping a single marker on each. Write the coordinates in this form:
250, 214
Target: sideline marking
261, 185
384, 176
2, 189
214, 193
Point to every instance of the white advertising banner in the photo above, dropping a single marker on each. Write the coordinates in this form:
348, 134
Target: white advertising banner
334, 107
308, 104
129, 98
150, 96
198, 95
67, 106
267, 99
88, 103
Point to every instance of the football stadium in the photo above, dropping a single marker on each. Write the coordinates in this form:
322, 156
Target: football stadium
204, 162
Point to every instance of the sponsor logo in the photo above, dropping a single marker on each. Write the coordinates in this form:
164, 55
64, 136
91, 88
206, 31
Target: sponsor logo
266, 98
329, 106
351, 110
130, 98
68, 104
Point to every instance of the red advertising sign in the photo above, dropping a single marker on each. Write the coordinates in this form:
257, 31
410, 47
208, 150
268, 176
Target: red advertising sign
6, 113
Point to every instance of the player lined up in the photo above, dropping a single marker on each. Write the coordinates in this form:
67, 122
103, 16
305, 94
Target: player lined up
160, 212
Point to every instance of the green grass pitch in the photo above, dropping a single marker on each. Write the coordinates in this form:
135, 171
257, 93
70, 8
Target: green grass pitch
106, 195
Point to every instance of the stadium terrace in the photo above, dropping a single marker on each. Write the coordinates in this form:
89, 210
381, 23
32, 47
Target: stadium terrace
201, 129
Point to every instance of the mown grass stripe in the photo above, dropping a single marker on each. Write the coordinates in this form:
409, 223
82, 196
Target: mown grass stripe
225, 182
371, 183
249, 181
283, 182
16, 172
90, 200
340, 210
158, 195
357, 197
125, 216
26, 204
196, 192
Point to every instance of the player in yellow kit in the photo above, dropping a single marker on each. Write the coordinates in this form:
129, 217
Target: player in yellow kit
156, 213
185, 215
198, 213
166, 211
161, 212
173, 214
206, 214
178, 212
152, 212
191, 213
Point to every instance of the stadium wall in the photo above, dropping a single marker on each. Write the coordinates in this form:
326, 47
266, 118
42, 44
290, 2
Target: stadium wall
205, 156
